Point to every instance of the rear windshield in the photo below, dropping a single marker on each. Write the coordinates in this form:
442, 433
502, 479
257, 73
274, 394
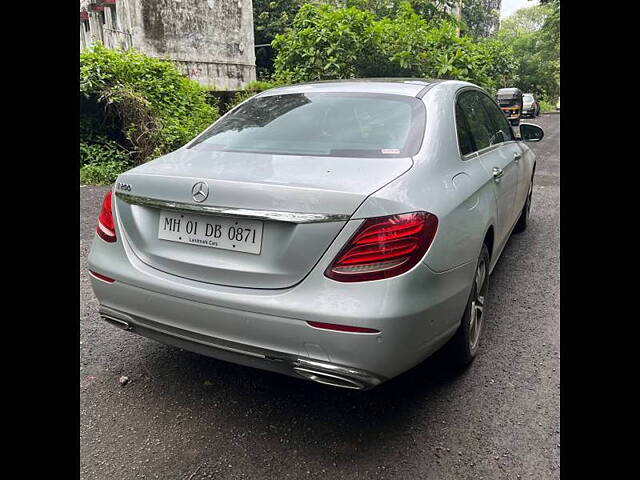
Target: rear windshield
528, 98
322, 124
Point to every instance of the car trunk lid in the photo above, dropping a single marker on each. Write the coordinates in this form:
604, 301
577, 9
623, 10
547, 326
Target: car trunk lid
300, 203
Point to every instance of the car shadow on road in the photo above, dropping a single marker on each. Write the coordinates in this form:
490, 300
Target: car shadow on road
336, 419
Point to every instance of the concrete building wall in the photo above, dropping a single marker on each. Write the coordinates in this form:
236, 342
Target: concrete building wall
211, 41
495, 6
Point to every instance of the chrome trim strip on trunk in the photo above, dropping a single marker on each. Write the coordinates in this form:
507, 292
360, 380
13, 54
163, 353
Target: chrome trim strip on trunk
279, 216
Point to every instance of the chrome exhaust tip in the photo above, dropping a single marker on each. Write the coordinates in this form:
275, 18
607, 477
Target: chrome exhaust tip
121, 324
328, 378
335, 375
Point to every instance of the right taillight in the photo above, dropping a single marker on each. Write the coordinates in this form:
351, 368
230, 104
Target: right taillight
384, 247
106, 229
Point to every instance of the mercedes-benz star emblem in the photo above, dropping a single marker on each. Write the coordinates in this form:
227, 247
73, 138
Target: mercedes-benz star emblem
200, 192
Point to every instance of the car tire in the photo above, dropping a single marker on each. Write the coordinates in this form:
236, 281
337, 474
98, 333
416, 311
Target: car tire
521, 225
464, 345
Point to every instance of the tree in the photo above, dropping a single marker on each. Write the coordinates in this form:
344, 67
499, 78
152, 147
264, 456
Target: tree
271, 17
429, 10
551, 27
535, 37
526, 20
326, 42
480, 18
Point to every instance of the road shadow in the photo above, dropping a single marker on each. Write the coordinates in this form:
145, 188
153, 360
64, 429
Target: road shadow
270, 404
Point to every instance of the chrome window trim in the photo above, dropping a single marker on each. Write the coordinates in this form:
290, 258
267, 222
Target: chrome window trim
276, 215
484, 150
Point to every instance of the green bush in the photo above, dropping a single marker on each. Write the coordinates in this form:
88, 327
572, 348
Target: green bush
102, 173
546, 107
329, 43
136, 106
101, 151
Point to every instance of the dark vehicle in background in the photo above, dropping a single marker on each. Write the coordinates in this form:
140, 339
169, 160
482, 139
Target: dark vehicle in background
510, 102
530, 105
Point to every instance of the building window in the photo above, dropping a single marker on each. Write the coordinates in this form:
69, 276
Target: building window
114, 17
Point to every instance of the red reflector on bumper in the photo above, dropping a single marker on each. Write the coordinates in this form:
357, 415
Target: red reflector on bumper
342, 328
99, 276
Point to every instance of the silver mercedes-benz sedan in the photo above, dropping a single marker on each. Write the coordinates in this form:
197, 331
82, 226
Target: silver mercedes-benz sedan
339, 232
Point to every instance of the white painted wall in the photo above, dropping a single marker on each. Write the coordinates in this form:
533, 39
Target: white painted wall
211, 41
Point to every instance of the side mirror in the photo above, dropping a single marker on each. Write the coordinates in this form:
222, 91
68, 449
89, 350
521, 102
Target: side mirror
530, 132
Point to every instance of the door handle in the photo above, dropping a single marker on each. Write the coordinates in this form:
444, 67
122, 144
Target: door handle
517, 157
497, 173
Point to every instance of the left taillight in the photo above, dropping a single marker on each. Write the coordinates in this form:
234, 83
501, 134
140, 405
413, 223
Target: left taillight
106, 228
384, 247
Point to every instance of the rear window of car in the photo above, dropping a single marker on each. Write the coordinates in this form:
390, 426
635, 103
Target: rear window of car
528, 98
321, 124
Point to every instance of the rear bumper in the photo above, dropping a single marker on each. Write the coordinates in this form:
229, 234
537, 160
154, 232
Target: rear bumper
280, 362
415, 313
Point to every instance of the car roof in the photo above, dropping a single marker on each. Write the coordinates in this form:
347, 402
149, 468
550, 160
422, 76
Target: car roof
509, 90
399, 86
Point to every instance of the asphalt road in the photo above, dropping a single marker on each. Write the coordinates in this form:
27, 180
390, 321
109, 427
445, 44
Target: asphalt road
184, 416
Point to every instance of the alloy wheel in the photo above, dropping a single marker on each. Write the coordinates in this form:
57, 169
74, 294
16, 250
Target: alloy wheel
476, 318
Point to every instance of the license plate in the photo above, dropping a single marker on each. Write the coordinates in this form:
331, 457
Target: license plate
210, 231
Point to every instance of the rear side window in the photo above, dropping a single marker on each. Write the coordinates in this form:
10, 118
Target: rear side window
477, 118
501, 130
